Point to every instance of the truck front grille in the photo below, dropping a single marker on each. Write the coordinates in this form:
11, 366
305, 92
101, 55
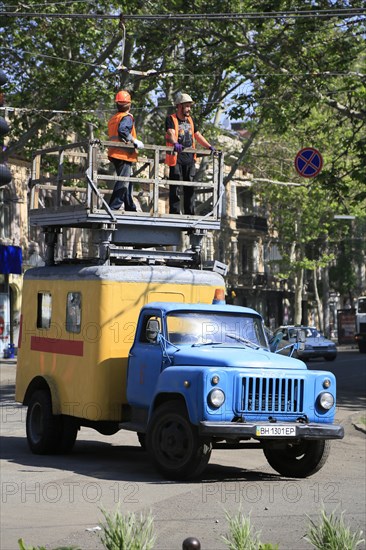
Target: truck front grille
272, 395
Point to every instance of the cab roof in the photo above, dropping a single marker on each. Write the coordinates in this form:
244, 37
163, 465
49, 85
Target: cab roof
168, 307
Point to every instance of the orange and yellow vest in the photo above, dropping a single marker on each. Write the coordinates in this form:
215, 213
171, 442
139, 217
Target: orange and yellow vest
117, 152
171, 158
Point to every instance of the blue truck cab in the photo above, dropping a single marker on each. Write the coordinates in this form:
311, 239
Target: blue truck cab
199, 374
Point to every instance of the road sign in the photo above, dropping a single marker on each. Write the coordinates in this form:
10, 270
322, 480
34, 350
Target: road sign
308, 162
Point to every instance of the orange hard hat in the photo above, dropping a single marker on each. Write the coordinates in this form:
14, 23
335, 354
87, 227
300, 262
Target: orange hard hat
123, 97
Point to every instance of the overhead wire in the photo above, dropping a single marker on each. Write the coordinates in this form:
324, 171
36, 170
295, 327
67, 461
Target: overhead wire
64, 2
165, 74
314, 13
346, 12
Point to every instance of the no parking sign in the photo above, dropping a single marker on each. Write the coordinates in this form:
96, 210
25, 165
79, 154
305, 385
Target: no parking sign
308, 162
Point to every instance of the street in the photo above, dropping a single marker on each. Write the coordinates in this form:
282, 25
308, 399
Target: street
57, 500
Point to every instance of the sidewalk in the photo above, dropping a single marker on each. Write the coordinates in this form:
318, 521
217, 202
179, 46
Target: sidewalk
8, 361
346, 347
360, 423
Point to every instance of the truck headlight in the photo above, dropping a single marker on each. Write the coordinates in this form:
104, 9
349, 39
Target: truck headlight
216, 398
326, 400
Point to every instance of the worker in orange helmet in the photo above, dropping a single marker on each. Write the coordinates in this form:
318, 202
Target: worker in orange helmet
182, 132
121, 127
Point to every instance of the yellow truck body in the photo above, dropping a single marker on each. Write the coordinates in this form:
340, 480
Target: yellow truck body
78, 325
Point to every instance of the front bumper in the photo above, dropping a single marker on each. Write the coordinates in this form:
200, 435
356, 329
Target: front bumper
239, 430
314, 354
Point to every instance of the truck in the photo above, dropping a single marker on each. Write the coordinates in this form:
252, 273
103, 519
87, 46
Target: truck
141, 339
360, 335
103, 347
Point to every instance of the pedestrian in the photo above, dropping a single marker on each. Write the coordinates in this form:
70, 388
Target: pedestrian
121, 127
181, 132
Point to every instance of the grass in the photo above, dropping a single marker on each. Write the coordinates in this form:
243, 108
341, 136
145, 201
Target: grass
22, 546
332, 534
132, 532
241, 535
129, 532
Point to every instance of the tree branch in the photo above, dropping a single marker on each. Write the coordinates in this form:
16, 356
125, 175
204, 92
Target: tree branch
62, 102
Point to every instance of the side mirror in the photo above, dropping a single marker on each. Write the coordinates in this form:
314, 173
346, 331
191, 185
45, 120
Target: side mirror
301, 339
152, 330
275, 340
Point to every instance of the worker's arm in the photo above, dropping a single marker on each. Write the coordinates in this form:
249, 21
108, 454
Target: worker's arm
201, 140
125, 128
171, 136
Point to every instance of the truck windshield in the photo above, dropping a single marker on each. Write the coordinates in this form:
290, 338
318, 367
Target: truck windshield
220, 328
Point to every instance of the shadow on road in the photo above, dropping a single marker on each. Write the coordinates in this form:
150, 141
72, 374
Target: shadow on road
106, 461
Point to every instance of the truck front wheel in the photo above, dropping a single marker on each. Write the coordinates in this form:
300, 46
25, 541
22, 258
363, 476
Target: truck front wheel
298, 459
48, 433
174, 444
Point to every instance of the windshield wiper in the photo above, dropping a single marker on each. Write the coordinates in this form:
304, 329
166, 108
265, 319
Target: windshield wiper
198, 344
244, 341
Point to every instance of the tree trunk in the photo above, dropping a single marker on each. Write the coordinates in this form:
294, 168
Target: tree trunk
299, 281
326, 318
319, 305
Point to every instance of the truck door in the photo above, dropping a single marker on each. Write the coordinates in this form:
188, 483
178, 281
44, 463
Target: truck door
144, 363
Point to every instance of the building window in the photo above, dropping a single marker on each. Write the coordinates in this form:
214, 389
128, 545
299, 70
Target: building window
247, 258
44, 309
73, 312
5, 213
245, 201
233, 203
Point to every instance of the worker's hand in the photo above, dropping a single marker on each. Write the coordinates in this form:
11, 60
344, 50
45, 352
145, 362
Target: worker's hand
212, 149
178, 147
138, 144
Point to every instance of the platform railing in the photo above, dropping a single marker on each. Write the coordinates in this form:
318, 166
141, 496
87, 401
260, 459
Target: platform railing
77, 175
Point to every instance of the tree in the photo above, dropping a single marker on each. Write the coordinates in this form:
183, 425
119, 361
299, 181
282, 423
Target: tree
292, 72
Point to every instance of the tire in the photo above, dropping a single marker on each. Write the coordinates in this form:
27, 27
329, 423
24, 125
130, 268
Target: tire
142, 440
301, 459
48, 433
43, 428
174, 444
69, 432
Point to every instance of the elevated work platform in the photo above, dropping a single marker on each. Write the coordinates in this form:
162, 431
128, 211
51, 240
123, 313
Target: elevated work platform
71, 186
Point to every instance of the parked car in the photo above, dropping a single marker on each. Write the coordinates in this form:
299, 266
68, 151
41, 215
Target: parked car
316, 345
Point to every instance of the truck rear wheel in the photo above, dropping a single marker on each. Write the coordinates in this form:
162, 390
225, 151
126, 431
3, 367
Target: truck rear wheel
142, 440
174, 444
48, 433
301, 459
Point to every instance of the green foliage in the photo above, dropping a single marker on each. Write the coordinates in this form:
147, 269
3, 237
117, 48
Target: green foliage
332, 534
280, 71
127, 532
22, 546
241, 535
297, 81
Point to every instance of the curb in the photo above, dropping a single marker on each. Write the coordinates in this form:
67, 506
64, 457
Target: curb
359, 427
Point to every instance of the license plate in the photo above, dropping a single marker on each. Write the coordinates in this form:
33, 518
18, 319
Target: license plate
275, 431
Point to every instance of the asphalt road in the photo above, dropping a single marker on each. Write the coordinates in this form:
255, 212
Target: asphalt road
56, 501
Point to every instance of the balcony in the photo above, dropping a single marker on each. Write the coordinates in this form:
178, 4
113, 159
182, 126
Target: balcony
253, 280
252, 222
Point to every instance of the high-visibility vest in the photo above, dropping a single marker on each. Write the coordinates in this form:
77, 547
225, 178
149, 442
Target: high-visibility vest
117, 152
171, 158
